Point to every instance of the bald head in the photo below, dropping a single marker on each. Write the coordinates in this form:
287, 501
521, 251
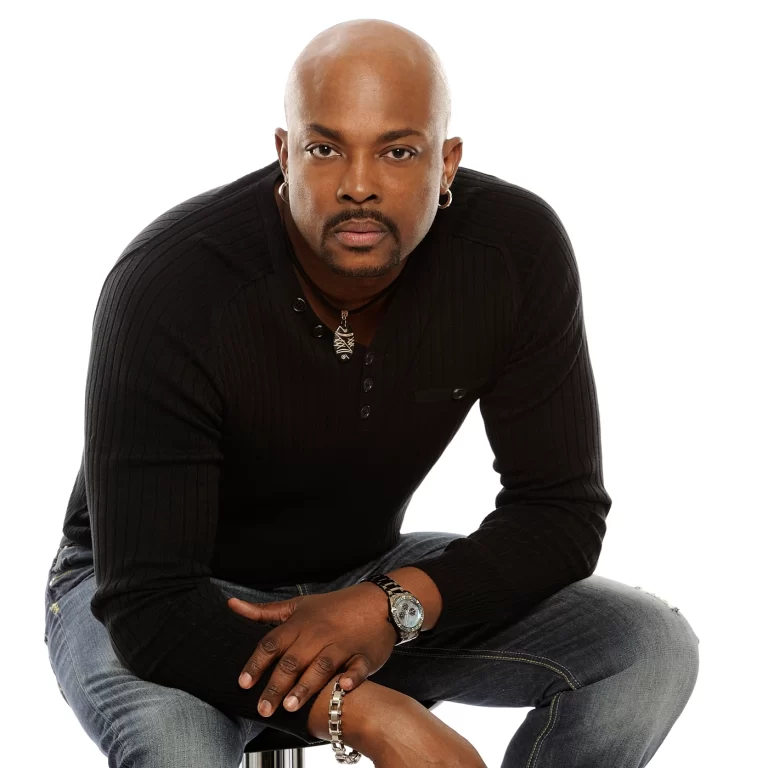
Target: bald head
372, 58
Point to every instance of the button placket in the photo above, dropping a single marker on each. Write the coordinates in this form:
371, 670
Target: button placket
365, 410
299, 304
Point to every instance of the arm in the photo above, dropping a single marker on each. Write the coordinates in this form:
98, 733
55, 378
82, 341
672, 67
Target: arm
153, 426
541, 418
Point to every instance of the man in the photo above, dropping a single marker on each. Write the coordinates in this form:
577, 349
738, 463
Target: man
276, 364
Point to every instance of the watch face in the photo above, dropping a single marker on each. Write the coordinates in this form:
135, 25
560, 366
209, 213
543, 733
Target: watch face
408, 612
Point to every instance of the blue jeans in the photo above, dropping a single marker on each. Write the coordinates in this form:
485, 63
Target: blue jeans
606, 668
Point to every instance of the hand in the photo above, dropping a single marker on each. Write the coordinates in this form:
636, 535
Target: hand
316, 636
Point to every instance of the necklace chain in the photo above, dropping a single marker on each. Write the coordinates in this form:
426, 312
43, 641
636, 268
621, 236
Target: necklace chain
344, 338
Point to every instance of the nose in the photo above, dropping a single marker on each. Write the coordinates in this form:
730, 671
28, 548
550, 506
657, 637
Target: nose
358, 182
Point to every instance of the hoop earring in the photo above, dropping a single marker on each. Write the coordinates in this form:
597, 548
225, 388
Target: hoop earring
447, 202
280, 191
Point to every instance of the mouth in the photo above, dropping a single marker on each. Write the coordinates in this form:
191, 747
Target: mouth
372, 237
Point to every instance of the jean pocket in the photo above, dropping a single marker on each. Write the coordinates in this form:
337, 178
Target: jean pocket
73, 564
61, 584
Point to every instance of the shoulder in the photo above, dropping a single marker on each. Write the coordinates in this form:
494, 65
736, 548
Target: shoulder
518, 223
208, 213
496, 211
184, 266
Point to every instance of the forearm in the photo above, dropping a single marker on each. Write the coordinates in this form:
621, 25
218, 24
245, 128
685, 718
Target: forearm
391, 728
361, 714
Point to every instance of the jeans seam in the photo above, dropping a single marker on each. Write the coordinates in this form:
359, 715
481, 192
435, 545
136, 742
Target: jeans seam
469, 653
553, 708
110, 724
478, 650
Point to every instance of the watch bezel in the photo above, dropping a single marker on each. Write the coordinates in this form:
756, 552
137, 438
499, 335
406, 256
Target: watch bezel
410, 597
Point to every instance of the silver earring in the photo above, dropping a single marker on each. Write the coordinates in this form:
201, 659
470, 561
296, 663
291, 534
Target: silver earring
280, 189
448, 201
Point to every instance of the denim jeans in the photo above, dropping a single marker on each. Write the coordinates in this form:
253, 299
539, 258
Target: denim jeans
606, 669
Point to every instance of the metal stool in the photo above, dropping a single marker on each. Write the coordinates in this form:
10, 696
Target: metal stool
277, 749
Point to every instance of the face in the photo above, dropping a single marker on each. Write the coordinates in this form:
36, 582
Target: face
363, 144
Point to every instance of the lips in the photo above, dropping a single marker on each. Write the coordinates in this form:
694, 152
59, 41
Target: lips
360, 226
371, 237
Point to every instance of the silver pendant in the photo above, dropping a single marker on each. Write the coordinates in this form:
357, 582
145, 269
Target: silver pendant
344, 339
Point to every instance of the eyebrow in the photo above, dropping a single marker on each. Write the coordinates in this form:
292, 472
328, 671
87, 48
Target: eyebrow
331, 133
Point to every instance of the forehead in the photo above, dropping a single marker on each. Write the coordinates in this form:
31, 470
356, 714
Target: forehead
363, 101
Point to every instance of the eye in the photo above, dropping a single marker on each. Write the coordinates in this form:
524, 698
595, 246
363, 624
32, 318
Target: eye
402, 149
311, 150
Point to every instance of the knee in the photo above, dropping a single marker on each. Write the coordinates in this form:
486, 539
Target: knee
661, 646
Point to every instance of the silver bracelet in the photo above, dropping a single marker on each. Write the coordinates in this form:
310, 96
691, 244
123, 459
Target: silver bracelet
334, 726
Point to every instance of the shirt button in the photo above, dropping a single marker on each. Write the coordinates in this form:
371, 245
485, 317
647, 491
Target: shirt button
367, 384
318, 331
368, 358
365, 411
299, 305
459, 393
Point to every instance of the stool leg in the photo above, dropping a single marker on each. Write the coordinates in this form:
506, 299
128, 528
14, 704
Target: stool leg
279, 758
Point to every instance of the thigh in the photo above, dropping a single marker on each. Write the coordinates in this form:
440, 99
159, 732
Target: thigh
410, 548
592, 630
132, 721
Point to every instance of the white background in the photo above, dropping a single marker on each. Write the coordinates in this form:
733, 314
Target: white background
642, 124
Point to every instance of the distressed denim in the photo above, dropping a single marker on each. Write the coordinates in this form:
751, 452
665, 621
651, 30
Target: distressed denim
605, 669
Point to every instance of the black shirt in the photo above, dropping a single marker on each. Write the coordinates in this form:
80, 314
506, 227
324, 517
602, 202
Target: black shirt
223, 437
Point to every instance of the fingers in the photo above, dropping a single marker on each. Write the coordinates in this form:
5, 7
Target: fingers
292, 663
267, 650
290, 666
315, 678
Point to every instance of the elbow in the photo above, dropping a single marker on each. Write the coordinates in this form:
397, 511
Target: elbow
132, 633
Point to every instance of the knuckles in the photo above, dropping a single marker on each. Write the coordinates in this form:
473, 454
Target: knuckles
326, 664
269, 644
289, 664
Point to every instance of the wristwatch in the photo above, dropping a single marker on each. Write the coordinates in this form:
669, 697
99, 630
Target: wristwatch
406, 613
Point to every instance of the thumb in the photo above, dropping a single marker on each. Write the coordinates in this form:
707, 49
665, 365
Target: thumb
277, 611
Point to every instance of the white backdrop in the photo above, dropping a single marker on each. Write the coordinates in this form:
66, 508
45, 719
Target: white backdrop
641, 124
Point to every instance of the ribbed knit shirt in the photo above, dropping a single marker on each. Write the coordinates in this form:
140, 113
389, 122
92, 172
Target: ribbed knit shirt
224, 438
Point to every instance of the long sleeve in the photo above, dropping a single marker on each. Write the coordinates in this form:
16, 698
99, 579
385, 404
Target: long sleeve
155, 409
542, 422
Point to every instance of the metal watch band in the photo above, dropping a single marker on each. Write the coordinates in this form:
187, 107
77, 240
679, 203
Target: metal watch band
387, 583
391, 587
334, 726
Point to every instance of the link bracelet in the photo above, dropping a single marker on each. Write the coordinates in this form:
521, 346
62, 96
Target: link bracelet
334, 726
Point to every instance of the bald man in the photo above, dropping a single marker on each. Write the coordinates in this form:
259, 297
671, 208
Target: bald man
276, 365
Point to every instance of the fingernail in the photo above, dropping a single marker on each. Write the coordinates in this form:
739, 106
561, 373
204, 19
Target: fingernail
265, 707
346, 682
245, 679
291, 702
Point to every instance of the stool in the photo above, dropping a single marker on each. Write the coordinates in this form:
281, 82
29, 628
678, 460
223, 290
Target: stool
276, 749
